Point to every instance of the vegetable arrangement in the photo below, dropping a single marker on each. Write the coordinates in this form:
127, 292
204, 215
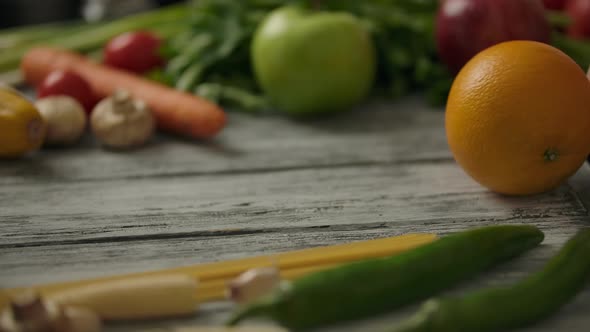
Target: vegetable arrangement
217, 61
191, 62
336, 295
342, 294
174, 110
415, 42
372, 287
197, 58
85, 38
205, 47
217, 279
513, 306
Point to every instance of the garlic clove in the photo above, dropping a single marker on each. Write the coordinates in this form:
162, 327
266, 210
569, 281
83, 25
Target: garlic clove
28, 312
28, 305
65, 118
253, 284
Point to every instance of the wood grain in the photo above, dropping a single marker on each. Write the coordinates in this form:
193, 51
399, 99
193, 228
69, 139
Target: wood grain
74, 261
580, 184
79, 261
404, 132
190, 206
268, 184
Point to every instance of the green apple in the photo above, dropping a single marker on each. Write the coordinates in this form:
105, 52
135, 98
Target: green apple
310, 62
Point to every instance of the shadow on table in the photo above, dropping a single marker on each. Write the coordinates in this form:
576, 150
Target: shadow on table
375, 115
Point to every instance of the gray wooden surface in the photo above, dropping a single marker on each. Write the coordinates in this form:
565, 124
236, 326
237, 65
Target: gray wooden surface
267, 184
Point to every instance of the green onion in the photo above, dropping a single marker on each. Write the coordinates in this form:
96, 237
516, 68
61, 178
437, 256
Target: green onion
93, 37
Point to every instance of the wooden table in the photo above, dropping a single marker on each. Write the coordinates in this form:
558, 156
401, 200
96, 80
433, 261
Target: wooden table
267, 184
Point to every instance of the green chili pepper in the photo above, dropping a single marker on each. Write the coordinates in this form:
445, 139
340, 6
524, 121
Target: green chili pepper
501, 308
370, 287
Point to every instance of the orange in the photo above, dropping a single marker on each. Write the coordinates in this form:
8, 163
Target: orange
518, 117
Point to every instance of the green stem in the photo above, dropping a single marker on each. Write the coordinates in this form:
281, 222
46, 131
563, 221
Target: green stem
257, 310
578, 50
558, 19
92, 39
18, 37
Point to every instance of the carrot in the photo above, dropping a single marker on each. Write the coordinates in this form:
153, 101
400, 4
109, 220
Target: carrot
175, 111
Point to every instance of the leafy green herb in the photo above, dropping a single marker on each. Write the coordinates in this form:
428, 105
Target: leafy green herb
212, 58
577, 49
208, 45
88, 38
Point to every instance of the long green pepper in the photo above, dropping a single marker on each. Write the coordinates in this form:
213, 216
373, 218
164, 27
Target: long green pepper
375, 286
515, 306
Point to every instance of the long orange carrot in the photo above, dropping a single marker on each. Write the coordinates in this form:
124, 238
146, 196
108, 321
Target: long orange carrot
175, 111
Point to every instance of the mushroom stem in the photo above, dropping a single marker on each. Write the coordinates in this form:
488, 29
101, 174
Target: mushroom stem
121, 121
122, 102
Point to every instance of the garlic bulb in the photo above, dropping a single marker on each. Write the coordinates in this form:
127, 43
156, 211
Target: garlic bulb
120, 121
65, 119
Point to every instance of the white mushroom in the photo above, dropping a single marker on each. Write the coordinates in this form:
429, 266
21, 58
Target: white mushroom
120, 121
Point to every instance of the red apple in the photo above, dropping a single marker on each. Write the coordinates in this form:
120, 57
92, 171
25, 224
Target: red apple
554, 4
466, 27
579, 11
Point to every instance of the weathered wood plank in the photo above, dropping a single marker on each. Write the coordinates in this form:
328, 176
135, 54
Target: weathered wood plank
64, 262
118, 210
267, 185
60, 263
403, 132
580, 184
